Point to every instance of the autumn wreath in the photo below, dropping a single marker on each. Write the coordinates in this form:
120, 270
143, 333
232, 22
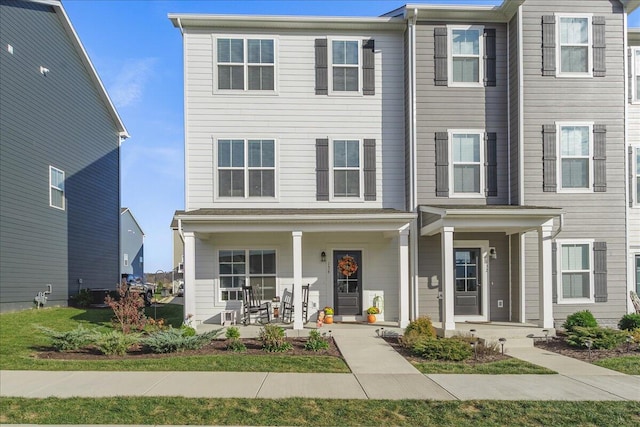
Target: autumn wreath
347, 265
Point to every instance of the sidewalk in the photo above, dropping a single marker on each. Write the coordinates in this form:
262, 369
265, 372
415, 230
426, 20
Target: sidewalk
378, 372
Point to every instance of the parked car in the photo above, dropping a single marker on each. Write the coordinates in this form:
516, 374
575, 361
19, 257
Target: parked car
145, 289
180, 291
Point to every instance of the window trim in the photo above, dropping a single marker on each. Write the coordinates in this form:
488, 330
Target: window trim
481, 56
589, 72
245, 39
246, 170
635, 155
53, 187
332, 168
560, 188
247, 275
330, 66
482, 163
635, 73
560, 243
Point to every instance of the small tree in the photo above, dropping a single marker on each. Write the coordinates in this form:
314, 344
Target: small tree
128, 310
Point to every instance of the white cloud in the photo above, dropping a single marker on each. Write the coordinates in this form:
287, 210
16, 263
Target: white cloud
128, 85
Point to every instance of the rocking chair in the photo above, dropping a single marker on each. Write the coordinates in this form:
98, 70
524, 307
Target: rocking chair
287, 305
252, 305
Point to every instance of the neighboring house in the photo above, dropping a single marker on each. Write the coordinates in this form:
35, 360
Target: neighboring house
59, 160
294, 155
131, 245
633, 151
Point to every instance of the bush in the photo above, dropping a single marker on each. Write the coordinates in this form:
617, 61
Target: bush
153, 325
417, 329
582, 319
629, 322
128, 310
68, 340
232, 332
115, 342
187, 331
316, 342
233, 340
174, 340
601, 338
273, 339
635, 335
449, 349
83, 298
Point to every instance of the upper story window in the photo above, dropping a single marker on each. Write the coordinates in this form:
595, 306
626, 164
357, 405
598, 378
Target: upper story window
246, 64
246, 168
345, 67
56, 188
467, 163
466, 48
574, 45
346, 168
635, 81
345, 64
575, 147
635, 168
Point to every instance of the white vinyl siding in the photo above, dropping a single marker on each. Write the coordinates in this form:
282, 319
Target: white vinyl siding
575, 281
466, 53
246, 168
345, 66
56, 188
238, 268
575, 157
467, 164
245, 64
574, 52
347, 169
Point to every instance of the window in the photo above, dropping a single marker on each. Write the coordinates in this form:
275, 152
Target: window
345, 63
637, 176
636, 75
466, 50
125, 260
574, 266
234, 273
574, 57
467, 162
346, 168
575, 145
56, 188
246, 168
638, 274
246, 64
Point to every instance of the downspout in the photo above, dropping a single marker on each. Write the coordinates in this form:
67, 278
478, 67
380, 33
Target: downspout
627, 200
508, 125
521, 252
413, 173
180, 26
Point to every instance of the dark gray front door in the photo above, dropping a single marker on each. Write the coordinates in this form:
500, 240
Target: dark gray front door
468, 282
347, 282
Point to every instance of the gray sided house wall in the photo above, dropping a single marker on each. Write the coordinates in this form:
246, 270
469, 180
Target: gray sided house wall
548, 99
57, 120
440, 108
132, 244
514, 110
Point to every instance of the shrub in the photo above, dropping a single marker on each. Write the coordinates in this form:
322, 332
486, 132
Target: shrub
273, 339
232, 332
68, 340
483, 348
635, 335
83, 298
153, 325
449, 349
419, 328
115, 342
582, 319
601, 338
233, 340
128, 310
174, 340
629, 322
316, 342
187, 331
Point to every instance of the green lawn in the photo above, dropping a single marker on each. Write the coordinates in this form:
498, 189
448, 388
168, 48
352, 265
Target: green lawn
509, 366
629, 365
317, 412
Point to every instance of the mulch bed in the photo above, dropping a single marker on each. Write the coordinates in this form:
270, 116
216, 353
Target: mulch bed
216, 347
559, 345
483, 357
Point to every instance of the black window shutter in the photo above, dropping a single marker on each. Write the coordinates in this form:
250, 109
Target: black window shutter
440, 55
631, 178
322, 169
322, 77
554, 271
368, 67
548, 45
442, 164
369, 169
599, 46
490, 57
491, 164
549, 158
600, 271
599, 158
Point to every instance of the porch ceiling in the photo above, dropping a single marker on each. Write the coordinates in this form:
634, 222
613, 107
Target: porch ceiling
502, 218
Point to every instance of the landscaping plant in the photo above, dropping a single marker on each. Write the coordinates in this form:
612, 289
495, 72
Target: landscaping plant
68, 340
128, 310
83, 298
174, 340
115, 342
316, 342
580, 318
629, 322
450, 349
233, 340
601, 338
273, 339
417, 329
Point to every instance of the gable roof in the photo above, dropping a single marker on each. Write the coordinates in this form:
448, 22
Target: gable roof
84, 57
123, 210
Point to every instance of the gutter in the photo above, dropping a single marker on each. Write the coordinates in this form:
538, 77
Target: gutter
414, 232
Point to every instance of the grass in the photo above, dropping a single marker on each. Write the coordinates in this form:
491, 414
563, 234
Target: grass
629, 365
320, 412
509, 366
19, 340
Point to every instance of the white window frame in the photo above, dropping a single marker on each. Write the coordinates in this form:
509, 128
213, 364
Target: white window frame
589, 44
360, 168
246, 64
246, 170
481, 163
559, 284
125, 260
450, 56
330, 41
635, 71
60, 188
247, 275
559, 157
635, 153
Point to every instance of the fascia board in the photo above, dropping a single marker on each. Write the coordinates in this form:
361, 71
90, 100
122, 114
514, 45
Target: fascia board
301, 219
464, 13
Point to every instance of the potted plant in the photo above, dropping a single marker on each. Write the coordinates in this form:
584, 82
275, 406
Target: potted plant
328, 315
372, 311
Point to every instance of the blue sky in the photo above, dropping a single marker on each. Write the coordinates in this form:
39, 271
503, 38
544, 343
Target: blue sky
138, 54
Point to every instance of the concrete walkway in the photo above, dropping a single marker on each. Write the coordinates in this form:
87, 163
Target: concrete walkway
378, 372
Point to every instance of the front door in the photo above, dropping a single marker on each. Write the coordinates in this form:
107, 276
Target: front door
347, 282
468, 282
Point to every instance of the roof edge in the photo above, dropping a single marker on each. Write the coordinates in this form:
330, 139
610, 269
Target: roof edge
501, 13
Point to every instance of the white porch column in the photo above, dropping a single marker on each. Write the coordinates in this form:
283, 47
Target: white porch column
403, 266
448, 322
545, 277
190, 276
297, 280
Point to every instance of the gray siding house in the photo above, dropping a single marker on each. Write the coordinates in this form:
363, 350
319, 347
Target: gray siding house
59, 160
131, 245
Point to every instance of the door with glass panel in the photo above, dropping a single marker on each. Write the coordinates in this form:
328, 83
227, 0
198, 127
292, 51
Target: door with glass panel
468, 282
347, 282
